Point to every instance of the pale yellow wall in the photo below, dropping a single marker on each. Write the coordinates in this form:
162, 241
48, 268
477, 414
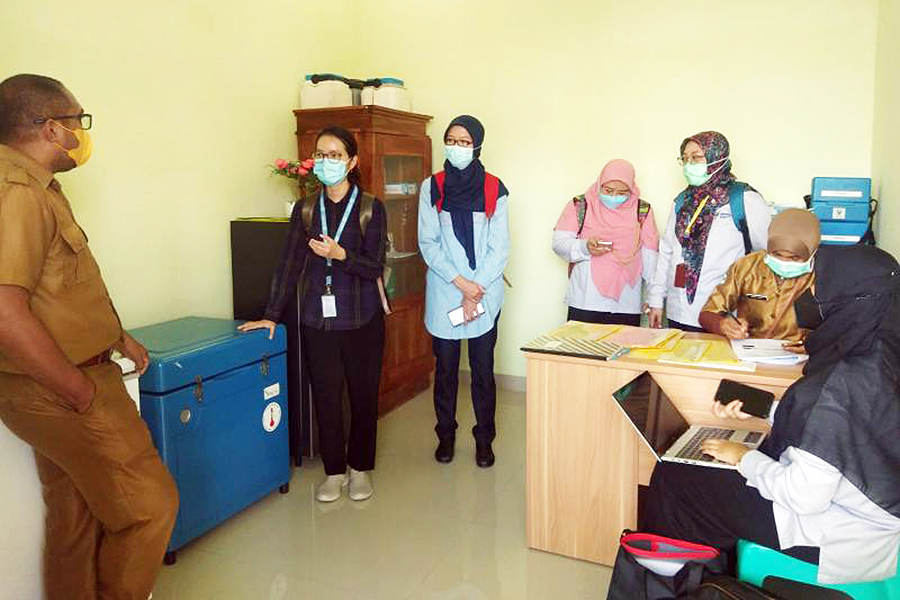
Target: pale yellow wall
564, 86
191, 101
886, 138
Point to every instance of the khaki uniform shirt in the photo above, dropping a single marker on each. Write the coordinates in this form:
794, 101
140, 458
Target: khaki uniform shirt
43, 250
753, 291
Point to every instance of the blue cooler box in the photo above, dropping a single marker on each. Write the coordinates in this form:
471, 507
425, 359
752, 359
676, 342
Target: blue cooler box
842, 205
215, 401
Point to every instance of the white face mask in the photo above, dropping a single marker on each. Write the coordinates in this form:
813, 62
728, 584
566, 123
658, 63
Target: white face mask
458, 156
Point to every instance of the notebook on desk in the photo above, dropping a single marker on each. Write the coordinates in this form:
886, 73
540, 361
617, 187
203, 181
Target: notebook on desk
665, 430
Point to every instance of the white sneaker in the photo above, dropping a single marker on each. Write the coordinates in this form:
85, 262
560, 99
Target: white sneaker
330, 489
360, 485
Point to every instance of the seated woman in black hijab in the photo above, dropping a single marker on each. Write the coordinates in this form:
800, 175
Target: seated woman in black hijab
828, 474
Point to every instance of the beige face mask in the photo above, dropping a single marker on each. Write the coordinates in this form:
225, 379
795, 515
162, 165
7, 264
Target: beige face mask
82, 152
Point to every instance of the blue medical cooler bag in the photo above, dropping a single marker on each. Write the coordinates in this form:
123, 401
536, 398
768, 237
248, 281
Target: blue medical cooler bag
215, 401
843, 207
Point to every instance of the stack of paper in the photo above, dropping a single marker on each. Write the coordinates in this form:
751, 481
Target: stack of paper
642, 337
552, 344
766, 351
578, 330
716, 354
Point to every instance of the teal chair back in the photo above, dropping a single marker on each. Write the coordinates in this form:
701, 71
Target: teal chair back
756, 562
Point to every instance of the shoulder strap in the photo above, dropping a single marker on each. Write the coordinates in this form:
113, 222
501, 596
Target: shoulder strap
306, 210
643, 209
738, 214
580, 211
439, 178
491, 191
679, 201
366, 202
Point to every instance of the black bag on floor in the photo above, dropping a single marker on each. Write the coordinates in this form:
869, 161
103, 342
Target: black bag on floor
723, 587
652, 567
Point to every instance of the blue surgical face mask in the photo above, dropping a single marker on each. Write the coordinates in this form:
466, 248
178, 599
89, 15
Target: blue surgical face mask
458, 156
788, 268
696, 174
330, 171
612, 202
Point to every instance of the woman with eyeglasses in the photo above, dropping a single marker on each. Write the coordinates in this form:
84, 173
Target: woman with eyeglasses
824, 481
757, 298
464, 239
608, 237
336, 250
714, 221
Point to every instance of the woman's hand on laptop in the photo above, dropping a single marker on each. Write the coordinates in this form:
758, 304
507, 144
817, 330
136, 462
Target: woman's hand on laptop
732, 410
727, 452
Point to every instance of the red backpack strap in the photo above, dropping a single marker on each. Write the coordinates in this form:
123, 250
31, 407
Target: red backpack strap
491, 191
439, 178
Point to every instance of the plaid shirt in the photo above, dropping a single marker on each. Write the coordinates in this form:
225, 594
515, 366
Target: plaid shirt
353, 279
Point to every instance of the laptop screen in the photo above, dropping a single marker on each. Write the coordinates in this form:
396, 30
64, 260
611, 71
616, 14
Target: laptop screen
651, 412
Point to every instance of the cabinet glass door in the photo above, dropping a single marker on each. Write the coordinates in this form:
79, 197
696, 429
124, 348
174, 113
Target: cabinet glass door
406, 269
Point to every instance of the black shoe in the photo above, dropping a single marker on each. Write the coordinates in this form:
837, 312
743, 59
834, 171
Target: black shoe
444, 452
484, 456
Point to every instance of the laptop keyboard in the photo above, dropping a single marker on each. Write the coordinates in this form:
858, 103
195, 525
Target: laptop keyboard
692, 449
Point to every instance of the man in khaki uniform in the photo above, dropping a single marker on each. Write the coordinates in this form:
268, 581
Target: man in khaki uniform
111, 503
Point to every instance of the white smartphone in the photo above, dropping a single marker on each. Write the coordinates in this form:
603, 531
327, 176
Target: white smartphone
457, 317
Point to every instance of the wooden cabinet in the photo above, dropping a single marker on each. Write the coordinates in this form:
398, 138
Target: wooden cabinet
394, 159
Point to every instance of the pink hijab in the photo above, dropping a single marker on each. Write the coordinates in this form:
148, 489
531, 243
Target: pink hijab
613, 270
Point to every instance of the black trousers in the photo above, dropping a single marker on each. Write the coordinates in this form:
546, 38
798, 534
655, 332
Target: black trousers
596, 316
683, 327
710, 506
484, 389
355, 356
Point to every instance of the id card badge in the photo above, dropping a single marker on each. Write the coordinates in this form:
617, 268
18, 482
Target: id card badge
679, 276
329, 308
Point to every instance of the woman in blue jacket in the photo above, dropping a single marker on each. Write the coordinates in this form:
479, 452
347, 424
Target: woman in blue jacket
464, 239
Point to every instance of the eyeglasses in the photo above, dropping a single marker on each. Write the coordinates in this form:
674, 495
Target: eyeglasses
460, 143
694, 159
329, 155
85, 120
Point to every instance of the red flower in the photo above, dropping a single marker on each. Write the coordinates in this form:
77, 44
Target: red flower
280, 163
308, 164
303, 172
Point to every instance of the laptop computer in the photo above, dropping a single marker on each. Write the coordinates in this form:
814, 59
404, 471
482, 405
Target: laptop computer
666, 432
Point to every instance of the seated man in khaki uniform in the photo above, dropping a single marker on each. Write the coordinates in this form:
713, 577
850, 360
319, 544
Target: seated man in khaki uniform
111, 503
757, 298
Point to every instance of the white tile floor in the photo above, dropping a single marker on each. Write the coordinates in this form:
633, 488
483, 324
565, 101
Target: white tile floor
431, 531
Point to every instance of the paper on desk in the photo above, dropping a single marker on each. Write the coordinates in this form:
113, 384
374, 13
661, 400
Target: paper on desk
577, 330
643, 337
766, 351
716, 354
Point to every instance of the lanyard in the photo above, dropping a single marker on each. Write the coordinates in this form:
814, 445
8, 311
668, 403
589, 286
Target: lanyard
687, 230
340, 229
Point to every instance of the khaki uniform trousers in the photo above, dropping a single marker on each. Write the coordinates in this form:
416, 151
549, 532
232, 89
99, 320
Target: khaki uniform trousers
111, 503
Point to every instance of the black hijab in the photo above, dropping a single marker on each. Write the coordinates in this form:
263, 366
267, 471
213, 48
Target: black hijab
846, 407
464, 189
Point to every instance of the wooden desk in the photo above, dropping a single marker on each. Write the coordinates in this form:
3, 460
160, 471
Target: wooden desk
584, 461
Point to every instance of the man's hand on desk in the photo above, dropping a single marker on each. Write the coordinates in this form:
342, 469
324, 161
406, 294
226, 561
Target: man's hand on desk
654, 317
727, 452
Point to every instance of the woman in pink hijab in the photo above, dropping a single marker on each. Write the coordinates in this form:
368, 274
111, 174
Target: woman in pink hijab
609, 237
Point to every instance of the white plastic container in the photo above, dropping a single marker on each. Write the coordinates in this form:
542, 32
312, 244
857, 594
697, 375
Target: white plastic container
390, 94
324, 94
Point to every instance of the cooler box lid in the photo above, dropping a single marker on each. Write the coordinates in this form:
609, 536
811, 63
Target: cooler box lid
191, 347
841, 189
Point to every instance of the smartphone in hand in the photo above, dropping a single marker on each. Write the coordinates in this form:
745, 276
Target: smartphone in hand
457, 317
757, 402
